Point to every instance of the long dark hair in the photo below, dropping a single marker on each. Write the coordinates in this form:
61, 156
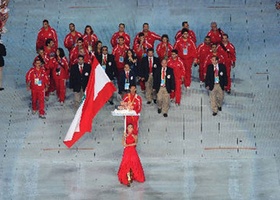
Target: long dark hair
61, 52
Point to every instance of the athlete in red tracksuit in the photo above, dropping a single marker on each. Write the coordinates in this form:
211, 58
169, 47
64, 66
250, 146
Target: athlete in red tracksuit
178, 67
228, 50
121, 32
132, 101
37, 81
79, 49
192, 35
187, 52
50, 51
71, 38
140, 48
46, 32
215, 33
90, 38
60, 74
203, 50
164, 48
119, 52
150, 37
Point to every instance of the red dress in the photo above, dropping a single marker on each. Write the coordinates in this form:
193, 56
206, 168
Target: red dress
130, 161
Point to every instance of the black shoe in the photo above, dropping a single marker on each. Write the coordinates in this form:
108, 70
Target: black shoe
155, 101
1, 89
149, 102
165, 115
220, 108
42, 116
159, 110
228, 91
214, 114
111, 102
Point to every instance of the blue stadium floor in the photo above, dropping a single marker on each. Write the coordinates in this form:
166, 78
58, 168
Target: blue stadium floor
190, 154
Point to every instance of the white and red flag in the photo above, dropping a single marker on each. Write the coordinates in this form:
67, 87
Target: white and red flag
98, 91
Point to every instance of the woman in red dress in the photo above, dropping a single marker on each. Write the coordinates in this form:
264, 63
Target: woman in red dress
130, 167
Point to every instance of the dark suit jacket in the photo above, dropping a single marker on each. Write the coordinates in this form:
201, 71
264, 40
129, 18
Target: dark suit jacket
131, 80
210, 79
169, 79
2, 53
145, 69
78, 80
111, 69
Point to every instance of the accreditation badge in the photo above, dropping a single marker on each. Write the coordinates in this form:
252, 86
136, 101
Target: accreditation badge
185, 51
126, 86
217, 80
38, 82
121, 59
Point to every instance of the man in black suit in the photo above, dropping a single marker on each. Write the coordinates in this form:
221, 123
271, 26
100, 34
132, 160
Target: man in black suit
215, 81
79, 76
163, 84
149, 65
107, 61
127, 78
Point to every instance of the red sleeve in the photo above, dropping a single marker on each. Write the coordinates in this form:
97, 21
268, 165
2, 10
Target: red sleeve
114, 40
127, 39
66, 42
54, 38
178, 35
138, 105
39, 43
28, 76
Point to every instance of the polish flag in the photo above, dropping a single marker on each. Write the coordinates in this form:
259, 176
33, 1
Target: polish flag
98, 91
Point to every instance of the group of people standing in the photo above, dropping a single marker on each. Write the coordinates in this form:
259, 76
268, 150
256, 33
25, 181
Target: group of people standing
160, 77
